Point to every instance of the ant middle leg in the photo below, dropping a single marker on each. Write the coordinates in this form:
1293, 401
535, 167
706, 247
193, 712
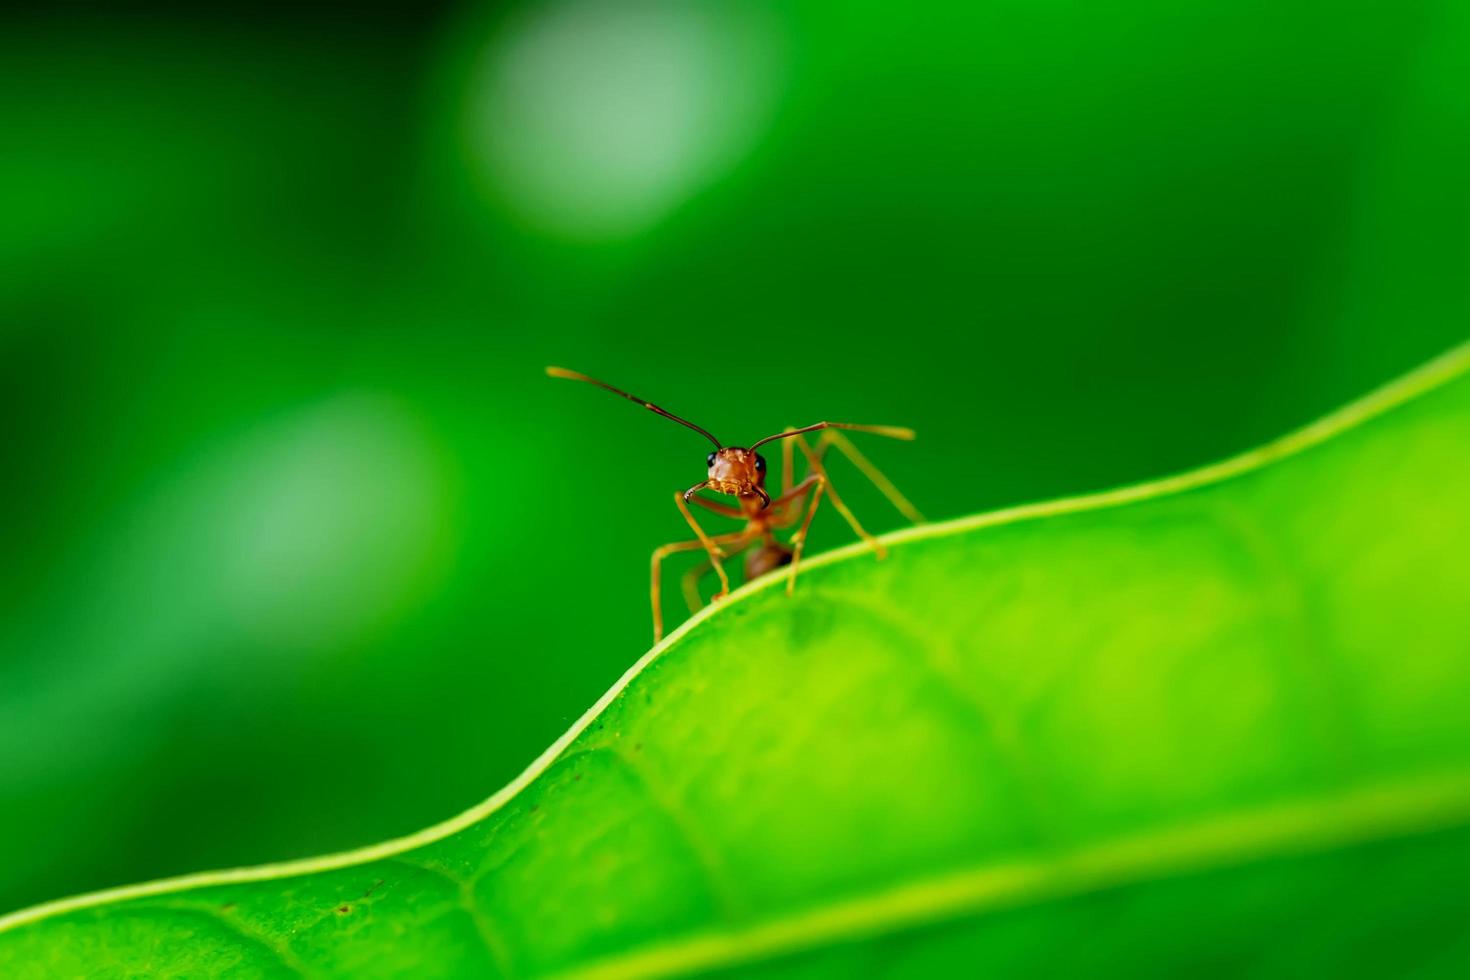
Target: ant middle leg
815, 462
798, 540
710, 545
788, 460
789, 506
689, 583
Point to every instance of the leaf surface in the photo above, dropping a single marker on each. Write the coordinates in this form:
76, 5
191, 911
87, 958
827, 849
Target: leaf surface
1217, 722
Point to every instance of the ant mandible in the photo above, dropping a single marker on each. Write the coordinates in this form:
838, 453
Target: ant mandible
741, 473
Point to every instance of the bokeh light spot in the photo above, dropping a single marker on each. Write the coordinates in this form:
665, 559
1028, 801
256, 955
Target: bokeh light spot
334, 522
595, 119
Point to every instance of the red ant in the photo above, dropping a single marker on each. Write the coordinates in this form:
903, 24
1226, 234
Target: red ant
741, 473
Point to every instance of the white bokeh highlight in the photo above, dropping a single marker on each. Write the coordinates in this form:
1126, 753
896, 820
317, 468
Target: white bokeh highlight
594, 119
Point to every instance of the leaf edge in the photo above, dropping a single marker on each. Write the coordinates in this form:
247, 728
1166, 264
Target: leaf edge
1433, 374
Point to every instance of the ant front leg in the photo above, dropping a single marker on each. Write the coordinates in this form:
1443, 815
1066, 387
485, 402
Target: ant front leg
692, 577
721, 509
715, 554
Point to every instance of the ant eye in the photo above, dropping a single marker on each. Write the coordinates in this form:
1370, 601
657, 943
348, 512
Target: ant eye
760, 463
709, 460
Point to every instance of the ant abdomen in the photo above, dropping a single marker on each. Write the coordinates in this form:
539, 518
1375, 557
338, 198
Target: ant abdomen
767, 558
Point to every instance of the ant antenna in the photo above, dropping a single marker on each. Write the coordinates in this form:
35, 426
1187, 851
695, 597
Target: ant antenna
891, 431
557, 372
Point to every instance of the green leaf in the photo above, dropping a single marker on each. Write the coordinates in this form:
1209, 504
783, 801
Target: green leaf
1218, 722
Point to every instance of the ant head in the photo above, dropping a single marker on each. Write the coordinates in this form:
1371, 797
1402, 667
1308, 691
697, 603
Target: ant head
738, 472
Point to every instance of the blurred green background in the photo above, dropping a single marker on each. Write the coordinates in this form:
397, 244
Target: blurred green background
301, 549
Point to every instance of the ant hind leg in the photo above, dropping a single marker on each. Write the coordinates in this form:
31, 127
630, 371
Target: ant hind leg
831, 437
690, 584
